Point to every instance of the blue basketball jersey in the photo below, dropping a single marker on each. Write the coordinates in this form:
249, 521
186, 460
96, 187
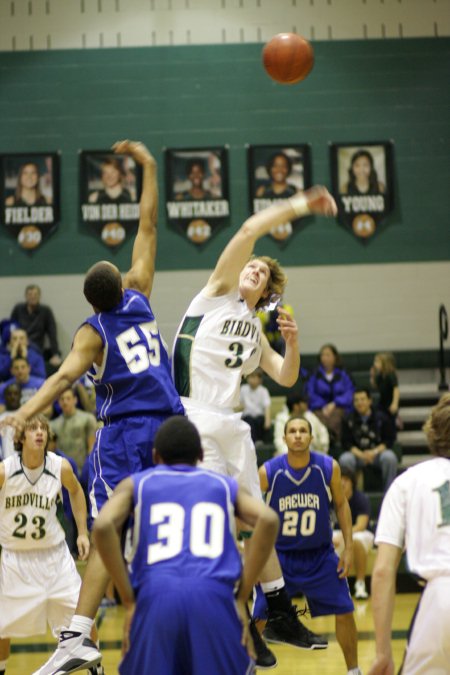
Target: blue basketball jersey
302, 498
183, 526
134, 377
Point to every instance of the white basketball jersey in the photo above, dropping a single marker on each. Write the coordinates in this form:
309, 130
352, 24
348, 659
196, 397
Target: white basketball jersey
218, 341
28, 518
416, 512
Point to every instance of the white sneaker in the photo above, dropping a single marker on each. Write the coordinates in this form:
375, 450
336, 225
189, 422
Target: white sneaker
75, 652
360, 590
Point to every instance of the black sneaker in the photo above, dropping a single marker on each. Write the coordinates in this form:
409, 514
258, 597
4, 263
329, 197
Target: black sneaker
265, 659
286, 628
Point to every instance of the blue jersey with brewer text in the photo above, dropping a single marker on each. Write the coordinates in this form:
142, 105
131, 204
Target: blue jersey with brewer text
134, 377
183, 527
302, 499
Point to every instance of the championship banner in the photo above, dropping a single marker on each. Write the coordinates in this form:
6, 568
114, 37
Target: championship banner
362, 177
197, 192
29, 184
277, 172
109, 194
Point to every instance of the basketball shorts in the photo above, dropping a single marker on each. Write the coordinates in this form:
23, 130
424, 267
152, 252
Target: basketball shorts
314, 574
227, 444
186, 628
120, 449
36, 588
428, 650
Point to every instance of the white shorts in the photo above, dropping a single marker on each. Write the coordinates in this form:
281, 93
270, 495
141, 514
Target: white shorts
227, 445
428, 652
36, 588
365, 537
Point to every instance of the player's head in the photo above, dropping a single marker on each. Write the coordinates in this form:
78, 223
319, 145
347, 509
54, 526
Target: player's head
35, 434
103, 286
437, 428
297, 434
177, 442
262, 280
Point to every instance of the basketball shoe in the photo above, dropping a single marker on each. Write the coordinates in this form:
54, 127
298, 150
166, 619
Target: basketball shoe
265, 659
286, 628
75, 652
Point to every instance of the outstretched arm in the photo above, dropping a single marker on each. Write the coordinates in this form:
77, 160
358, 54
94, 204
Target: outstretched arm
226, 274
142, 271
87, 346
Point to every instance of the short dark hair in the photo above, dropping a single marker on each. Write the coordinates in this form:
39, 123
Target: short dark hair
178, 441
103, 286
363, 390
346, 472
297, 417
292, 399
195, 162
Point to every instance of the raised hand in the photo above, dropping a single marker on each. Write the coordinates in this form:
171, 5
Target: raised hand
136, 149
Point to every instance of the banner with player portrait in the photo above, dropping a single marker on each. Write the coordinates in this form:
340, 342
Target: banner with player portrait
277, 172
29, 184
197, 199
109, 194
362, 177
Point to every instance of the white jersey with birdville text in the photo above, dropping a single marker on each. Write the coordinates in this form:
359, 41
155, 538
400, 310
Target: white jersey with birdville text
28, 519
416, 513
218, 341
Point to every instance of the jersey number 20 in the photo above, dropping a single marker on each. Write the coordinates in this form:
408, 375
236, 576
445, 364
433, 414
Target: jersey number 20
307, 523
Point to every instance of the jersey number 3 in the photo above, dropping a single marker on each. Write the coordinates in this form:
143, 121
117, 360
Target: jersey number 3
140, 357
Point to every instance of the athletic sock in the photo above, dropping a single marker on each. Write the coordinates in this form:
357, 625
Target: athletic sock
277, 599
3, 667
354, 671
81, 624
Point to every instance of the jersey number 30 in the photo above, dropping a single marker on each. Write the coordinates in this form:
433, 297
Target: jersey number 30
140, 357
206, 532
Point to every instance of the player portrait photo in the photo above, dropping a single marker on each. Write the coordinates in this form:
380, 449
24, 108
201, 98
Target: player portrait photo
197, 191
110, 187
277, 172
30, 196
362, 177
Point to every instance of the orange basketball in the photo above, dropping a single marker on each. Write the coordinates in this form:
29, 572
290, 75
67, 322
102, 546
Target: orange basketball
288, 58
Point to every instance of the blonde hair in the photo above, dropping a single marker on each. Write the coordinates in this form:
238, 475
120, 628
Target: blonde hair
32, 423
277, 279
387, 360
437, 427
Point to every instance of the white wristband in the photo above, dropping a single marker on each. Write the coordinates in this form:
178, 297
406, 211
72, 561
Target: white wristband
299, 203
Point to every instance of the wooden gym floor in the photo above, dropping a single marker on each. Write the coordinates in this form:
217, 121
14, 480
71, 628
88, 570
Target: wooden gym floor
28, 654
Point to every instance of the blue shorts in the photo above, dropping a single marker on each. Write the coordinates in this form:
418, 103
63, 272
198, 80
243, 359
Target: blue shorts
186, 627
120, 449
314, 574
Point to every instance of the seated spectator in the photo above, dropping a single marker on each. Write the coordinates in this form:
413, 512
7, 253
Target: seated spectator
384, 379
39, 323
255, 401
18, 345
75, 429
12, 395
362, 537
297, 404
367, 439
29, 384
69, 524
330, 391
